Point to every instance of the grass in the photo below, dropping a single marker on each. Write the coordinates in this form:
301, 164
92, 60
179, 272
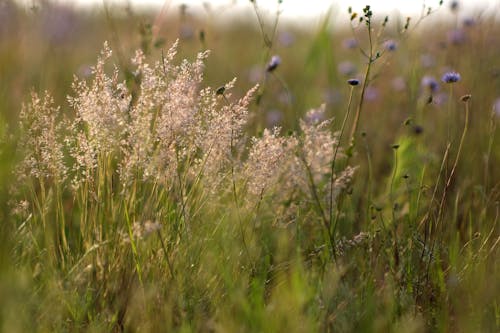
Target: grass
150, 202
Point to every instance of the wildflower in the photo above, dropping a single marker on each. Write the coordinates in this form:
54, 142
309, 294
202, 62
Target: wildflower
390, 45
350, 43
454, 6
430, 82
450, 77
353, 82
273, 64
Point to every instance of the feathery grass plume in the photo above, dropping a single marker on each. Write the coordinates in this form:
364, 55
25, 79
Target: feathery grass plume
220, 133
41, 143
143, 137
317, 143
264, 165
160, 122
101, 110
175, 122
316, 151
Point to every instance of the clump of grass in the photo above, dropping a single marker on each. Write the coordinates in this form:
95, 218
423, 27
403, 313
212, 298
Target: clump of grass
118, 169
153, 202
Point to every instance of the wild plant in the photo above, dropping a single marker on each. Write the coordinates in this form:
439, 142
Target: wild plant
121, 166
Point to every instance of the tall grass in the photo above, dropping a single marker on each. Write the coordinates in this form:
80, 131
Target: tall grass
151, 201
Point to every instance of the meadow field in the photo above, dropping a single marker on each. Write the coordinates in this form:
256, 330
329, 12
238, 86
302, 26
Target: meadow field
170, 171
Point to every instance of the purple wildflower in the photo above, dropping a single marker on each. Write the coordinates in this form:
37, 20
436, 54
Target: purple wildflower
274, 63
390, 45
451, 77
430, 82
350, 43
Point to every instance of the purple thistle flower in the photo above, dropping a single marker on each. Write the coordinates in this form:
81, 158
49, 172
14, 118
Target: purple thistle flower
430, 82
390, 45
273, 64
350, 43
451, 77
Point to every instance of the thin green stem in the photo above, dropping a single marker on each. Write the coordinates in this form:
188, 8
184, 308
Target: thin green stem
134, 247
332, 168
365, 85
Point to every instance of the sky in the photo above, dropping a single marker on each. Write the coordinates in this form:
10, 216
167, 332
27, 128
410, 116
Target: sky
315, 7
304, 9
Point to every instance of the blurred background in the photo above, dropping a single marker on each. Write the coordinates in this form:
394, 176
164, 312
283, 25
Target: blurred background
44, 43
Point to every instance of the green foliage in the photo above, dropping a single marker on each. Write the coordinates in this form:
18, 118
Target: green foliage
218, 232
